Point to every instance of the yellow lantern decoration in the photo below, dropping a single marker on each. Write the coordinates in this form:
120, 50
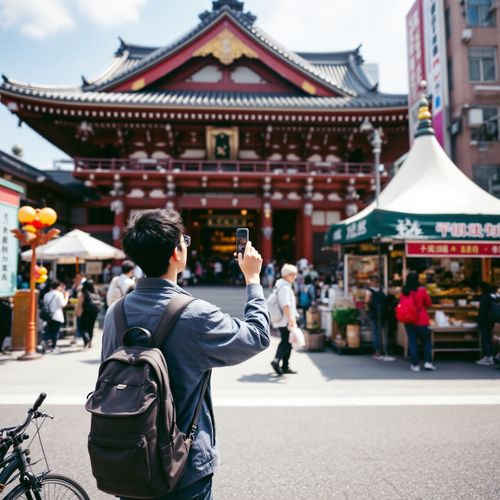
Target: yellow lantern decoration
42, 270
42, 279
26, 215
47, 216
29, 228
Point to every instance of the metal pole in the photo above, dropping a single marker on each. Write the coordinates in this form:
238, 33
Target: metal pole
377, 149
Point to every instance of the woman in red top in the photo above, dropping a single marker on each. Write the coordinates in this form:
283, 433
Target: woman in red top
419, 329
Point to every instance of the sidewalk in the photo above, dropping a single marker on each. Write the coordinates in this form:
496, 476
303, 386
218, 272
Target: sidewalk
324, 379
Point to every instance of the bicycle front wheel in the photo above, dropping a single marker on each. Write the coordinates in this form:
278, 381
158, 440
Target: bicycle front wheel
52, 487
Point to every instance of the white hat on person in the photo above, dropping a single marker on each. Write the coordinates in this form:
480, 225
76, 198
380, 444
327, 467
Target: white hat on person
288, 269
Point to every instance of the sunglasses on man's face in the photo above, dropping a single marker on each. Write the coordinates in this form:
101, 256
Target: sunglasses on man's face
187, 240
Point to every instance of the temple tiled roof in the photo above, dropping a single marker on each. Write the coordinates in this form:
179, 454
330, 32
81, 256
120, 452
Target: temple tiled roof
210, 99
340, 71
63, 183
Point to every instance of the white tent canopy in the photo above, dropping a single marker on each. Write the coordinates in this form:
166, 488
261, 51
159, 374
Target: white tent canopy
428, 191
73, 246
428, 182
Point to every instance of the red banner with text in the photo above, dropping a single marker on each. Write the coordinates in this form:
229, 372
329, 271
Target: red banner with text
452, 249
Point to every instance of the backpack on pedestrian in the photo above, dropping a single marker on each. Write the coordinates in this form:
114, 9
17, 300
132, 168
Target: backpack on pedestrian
274, 307
406, 310
305, 296
136, 449
92, 303
45, 312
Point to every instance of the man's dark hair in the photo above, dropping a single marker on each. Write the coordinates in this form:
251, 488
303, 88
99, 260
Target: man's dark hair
151, 237
88, 286
127, 266
55, 284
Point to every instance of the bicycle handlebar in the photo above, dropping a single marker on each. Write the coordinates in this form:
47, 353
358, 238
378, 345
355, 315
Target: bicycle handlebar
17, 430
39, 401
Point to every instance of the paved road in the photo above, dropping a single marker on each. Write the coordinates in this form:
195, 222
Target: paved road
325, 453
344, 427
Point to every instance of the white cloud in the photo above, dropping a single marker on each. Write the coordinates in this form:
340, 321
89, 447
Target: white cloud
43, 18
334, 25
112, 12
36, 18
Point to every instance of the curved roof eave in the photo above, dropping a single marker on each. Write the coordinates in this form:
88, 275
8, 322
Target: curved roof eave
216, 101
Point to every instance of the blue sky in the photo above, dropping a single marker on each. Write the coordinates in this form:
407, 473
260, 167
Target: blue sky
57, 41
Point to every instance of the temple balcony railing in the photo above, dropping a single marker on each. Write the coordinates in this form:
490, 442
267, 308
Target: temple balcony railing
83, 166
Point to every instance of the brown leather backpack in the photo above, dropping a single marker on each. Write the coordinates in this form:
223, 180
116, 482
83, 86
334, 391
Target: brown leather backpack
135, 447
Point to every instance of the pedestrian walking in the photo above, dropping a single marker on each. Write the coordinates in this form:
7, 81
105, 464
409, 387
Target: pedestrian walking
270, 274
288, 305
376, 303
55, 301
202, 338
307, 295
87, 309
486, 322
420, 328
122, 284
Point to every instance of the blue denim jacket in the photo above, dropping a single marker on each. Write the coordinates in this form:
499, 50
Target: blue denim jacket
203, 338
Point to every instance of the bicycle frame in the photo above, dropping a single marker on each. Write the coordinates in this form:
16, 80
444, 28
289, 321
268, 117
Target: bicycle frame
16, 460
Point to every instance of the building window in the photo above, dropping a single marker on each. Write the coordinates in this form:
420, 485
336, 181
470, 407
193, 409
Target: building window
480, 13
488, 131
482, 64
488, 177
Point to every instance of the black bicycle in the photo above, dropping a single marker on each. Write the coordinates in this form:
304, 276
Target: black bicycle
16, 464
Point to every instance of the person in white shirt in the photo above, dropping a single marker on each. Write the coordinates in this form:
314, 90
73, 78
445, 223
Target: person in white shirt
121, 285
288, 304
55, 301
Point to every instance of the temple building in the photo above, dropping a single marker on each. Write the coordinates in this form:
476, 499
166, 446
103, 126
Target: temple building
227, 126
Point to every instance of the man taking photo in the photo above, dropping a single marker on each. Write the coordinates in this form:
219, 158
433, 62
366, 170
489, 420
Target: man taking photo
203, 338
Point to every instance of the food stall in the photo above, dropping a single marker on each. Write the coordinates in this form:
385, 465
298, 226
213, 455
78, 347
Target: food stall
433, 219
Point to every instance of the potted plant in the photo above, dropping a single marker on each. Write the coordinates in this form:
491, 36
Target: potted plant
315, 339
347, 320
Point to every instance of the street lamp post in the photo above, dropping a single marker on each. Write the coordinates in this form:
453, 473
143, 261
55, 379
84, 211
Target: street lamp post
375, 138
376, 143
32, 234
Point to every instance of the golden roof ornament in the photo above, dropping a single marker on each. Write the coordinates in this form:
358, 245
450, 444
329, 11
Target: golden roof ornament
226, 47
424, 116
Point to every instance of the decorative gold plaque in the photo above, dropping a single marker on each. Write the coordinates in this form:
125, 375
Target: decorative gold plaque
222, 143
226, 47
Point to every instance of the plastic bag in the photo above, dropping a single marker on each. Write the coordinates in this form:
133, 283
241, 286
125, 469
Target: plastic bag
297, 338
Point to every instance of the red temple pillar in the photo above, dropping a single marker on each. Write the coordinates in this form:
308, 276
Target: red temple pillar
307, 231
267, 233
119, 221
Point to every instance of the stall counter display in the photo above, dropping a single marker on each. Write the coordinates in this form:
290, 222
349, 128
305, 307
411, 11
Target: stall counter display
453, 321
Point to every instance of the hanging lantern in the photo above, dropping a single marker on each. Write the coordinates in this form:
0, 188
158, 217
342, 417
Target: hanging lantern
26, 215
47, 216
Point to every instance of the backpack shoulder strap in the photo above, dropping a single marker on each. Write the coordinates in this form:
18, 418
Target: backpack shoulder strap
119, 315
175, 307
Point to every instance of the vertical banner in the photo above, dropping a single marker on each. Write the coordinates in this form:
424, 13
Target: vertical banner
417, 70
9, 246
437, 68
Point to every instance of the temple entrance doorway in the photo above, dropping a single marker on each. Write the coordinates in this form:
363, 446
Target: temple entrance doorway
213, 234
284, 236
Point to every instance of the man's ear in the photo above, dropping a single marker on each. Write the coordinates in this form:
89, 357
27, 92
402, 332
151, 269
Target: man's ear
176, 255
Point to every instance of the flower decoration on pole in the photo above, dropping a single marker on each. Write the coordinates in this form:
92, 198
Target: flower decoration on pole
33, 222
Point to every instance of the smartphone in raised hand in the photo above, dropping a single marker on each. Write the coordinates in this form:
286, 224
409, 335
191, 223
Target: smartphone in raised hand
242, 236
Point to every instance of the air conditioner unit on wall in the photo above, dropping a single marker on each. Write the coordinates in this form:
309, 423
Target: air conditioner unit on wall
475, 117
466, 35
